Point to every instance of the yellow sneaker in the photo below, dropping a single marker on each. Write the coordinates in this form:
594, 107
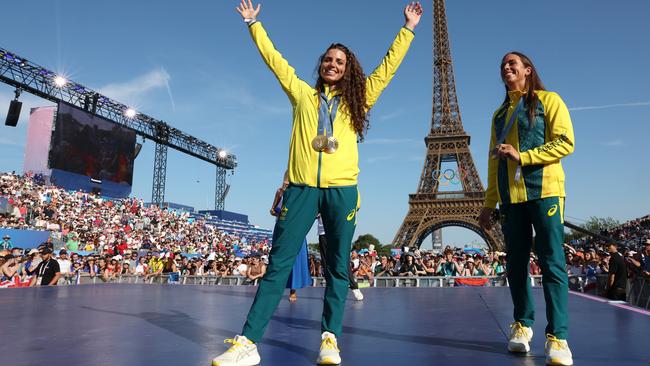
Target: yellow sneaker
329, 351
557, 351
243, 352
520, 337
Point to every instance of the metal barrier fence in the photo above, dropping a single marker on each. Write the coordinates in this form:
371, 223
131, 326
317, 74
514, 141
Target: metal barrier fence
638, 289
175, 278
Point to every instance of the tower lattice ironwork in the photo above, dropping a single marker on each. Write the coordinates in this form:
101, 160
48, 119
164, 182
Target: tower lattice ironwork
431, 208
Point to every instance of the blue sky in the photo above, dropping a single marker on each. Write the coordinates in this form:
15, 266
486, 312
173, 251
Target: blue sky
193, 65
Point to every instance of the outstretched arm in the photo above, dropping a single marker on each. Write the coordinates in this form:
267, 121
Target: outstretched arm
285, 74
379, 79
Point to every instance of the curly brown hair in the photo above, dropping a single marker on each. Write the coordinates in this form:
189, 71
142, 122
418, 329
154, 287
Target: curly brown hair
353, 89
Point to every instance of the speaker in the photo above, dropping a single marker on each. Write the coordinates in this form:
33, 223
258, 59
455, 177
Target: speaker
14, 113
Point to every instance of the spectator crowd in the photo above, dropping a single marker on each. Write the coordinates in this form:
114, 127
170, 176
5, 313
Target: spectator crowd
105, 238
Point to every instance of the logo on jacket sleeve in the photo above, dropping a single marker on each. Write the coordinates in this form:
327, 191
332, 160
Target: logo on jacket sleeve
552, 210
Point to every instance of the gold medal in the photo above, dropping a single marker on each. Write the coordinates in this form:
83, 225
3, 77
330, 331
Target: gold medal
332, 145
319, 143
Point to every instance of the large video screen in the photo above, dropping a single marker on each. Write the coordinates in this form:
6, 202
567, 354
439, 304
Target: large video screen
89, 145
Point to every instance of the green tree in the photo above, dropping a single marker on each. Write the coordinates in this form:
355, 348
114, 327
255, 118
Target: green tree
595, 225
365, 240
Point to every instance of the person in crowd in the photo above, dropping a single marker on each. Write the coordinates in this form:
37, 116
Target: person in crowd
255, 271
408, 268
484, 267
6, 244
47, 273
323, 169
645, 258
65, 265
10, 268
531, 132
617, 277
469, 270
447, 266
383, 269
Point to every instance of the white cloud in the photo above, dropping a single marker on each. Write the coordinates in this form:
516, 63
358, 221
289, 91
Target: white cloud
613, 143
240, 97
389, 116
132, 91
604, 106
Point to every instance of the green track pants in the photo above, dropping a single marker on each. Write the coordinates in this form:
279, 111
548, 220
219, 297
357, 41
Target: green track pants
546, 217
301, 204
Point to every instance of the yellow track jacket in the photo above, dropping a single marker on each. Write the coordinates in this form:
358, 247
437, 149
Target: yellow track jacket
307, 166
541, 146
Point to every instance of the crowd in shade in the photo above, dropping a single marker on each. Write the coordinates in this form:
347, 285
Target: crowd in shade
106, 238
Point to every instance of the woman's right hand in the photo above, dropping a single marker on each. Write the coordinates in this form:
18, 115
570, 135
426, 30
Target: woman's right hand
485, 218
247, 10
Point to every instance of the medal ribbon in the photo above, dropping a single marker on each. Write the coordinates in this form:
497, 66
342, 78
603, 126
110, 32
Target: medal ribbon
506, 129
327, 111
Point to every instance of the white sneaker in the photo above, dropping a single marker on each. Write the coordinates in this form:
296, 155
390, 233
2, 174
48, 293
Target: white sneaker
357, 294
243, 352
520, 336
557, 351
329, 351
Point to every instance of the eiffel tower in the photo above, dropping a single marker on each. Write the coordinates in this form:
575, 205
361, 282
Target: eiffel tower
431, 208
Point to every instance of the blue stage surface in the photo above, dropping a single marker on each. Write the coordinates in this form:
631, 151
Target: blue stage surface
186, 325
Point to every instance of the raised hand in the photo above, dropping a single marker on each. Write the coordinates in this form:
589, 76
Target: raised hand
485, 218
247, 10
412, 15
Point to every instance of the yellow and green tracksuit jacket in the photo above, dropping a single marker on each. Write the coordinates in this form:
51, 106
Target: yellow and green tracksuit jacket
541, 146
307, 166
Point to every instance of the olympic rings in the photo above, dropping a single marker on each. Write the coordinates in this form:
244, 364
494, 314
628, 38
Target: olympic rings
449, 176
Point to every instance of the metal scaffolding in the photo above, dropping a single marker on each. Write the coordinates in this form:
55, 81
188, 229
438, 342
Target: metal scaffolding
29, 77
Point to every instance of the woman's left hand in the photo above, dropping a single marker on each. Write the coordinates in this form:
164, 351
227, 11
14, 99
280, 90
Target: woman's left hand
506, 151
412, 15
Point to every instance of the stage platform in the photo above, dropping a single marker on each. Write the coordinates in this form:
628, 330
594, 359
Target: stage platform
185, 325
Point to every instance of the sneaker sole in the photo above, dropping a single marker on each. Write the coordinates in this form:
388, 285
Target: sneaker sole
328, 361
558, 362
228, 363
518, 348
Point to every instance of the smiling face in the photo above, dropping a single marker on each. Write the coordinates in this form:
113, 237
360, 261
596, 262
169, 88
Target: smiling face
333, 65
514, 72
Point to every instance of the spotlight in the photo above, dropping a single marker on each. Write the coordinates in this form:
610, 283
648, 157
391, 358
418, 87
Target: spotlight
60, 81
130, 113
14, 111
222, 153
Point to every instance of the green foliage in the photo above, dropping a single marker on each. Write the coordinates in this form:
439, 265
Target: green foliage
365, 240
595, 225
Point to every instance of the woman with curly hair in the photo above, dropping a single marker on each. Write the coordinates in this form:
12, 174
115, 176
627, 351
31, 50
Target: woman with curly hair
328, 122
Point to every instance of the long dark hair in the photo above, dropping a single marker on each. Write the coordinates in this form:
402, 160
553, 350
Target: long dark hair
353, 89
533, 82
